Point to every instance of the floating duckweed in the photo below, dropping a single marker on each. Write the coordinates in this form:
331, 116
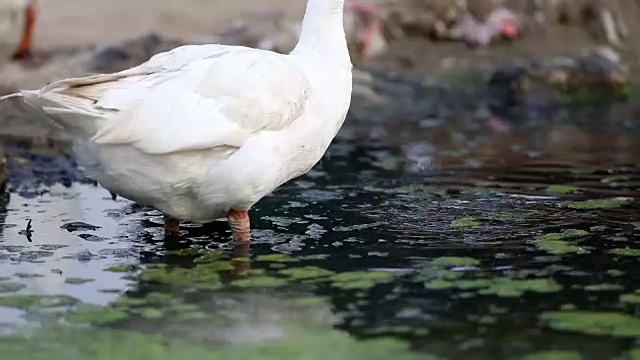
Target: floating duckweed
568, 307
305, 273
565, 235
487, 320
35, 302
453, 261
96, 315
561, 189
630, 298
514, 288
599, 203
280, 258
122, 268
9, 287
439, 284
625, 252
594, 323
559, 247
503, 287
126, 301
260, 282
615, 272
151, 313
309, 301
27, 275
360, 279
554, 355
200, 276
465, 222
308, 344
77, 281
633, 354
604, 287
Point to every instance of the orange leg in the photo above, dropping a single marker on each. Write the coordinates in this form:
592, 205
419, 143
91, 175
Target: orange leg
24, 49
240, 226
171, 226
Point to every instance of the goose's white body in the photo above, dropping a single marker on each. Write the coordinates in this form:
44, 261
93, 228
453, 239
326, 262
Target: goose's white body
204, 129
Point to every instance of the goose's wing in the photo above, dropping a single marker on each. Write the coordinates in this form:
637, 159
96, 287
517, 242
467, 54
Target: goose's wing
193, 97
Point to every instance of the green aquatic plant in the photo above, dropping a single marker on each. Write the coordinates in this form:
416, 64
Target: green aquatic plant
360, 279
454, 261
558, 244
604, 287
558, 189
554, 355
630, 298
596, 204
77, 281
501, 286
200, 276
121, 268
625, 252
9, 287
465, 222
278, 258
36, 302
306, 273
304, 343
633, 354
593, 323
95, 315
260, 281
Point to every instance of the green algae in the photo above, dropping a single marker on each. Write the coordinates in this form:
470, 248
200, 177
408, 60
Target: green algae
558, 244
615, 272
309, 301
22, 275
465, 222
95, 315
593, 323
306, 273
200, 276
633, 354
554, 355
121, 268
559, 247
454, 261
598, 204
604, 287
561, 189
360, 279
9, 287
625, 252
77, 281
305, 343
502, 286
630, 298
278, 258
516, 288
35, 302
260, 282
565, 235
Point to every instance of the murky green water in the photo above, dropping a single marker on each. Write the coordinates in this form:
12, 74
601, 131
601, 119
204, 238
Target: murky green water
457, 242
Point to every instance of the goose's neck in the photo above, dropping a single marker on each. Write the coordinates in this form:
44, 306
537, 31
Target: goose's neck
323, 31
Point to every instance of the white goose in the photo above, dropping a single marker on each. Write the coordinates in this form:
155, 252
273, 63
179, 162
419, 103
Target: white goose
206, 131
